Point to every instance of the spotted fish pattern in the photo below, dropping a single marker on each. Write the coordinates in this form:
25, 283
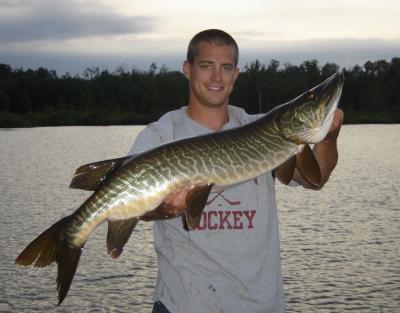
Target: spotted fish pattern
128, 188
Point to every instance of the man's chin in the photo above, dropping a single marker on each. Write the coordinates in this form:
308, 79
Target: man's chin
214, 103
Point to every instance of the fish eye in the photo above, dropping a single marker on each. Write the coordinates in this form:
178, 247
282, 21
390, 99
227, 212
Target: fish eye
312, 97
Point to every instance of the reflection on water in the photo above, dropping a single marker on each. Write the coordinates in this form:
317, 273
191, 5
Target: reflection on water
340, 246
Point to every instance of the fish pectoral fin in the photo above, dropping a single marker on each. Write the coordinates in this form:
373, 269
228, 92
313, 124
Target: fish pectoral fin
161, 212
90, 176
118, 234
195, 201
307, 165
285, 171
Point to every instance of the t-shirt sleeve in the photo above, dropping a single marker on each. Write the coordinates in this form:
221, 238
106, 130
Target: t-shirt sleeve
148, 138
152, 136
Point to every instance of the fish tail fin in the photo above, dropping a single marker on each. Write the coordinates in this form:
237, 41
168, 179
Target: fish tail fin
49, 247
68, 261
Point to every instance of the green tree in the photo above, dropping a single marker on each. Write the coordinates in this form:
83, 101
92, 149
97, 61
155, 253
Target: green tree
5, 102
329, 69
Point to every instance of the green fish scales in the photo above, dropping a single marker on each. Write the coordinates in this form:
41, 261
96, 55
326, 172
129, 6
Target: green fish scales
128, 188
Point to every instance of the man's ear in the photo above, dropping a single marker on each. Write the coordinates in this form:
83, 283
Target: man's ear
186, 69
237, 73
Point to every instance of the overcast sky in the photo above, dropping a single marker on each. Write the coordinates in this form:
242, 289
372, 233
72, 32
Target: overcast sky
69, 36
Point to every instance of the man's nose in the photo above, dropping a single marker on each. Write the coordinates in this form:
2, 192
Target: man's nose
216, 74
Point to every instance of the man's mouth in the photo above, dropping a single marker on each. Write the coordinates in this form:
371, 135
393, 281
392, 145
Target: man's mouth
215, 88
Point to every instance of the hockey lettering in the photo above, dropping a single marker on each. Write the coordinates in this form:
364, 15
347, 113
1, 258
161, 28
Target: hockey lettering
227, 220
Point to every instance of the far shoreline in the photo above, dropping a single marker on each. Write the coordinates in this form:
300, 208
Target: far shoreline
32, 120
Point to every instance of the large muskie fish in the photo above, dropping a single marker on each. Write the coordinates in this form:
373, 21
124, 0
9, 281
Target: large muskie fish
131, 187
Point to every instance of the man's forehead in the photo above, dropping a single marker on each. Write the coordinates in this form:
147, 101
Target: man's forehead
211, 52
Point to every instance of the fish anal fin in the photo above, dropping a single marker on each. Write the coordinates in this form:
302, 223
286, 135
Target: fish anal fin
195, 201
90, 176
307, 165
285, 171
118, 234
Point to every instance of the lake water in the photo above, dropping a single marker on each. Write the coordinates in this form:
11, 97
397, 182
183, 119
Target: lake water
340, 246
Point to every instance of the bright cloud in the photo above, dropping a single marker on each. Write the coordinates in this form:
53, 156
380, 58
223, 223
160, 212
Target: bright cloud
65, 34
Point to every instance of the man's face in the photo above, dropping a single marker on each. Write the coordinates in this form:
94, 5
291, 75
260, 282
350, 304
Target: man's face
212, 74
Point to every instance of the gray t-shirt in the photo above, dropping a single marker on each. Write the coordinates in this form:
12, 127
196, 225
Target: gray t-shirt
231, 262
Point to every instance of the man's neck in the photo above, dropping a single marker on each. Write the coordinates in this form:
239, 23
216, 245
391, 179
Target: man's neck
213, 118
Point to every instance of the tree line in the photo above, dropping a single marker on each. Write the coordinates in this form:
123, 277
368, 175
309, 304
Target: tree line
99, 97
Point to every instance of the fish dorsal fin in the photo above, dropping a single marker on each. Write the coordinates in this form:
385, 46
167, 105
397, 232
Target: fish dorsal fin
308, 166
118, 234
195, 201
90, 176
285, 171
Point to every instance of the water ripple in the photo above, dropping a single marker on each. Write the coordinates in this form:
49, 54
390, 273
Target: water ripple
340, 246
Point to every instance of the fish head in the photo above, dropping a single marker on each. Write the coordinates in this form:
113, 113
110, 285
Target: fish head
308, 118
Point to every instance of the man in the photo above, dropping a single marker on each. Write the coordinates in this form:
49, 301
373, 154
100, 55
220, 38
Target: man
231, 262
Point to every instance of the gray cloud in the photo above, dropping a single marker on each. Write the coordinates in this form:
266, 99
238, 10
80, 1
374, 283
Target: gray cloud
346, 52
77, 63
22, 21
12, 3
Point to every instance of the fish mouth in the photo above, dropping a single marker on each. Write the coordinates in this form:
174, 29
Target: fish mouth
329, 91
327, 95
336, 80
316, 109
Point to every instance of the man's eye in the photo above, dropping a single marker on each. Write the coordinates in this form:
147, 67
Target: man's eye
205, 66
228, 68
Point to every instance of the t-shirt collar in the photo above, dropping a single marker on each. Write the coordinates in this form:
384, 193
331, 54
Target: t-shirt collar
195, 128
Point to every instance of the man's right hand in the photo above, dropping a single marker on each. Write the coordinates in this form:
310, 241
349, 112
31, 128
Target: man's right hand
174, 205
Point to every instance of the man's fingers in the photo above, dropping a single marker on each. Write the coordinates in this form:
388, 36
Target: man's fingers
335, 126
176, 200
337, 119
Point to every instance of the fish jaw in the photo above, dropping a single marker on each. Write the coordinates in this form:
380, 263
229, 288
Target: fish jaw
328, 94
308, 118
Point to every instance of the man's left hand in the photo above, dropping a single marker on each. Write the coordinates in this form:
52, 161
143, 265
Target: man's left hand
335, 126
